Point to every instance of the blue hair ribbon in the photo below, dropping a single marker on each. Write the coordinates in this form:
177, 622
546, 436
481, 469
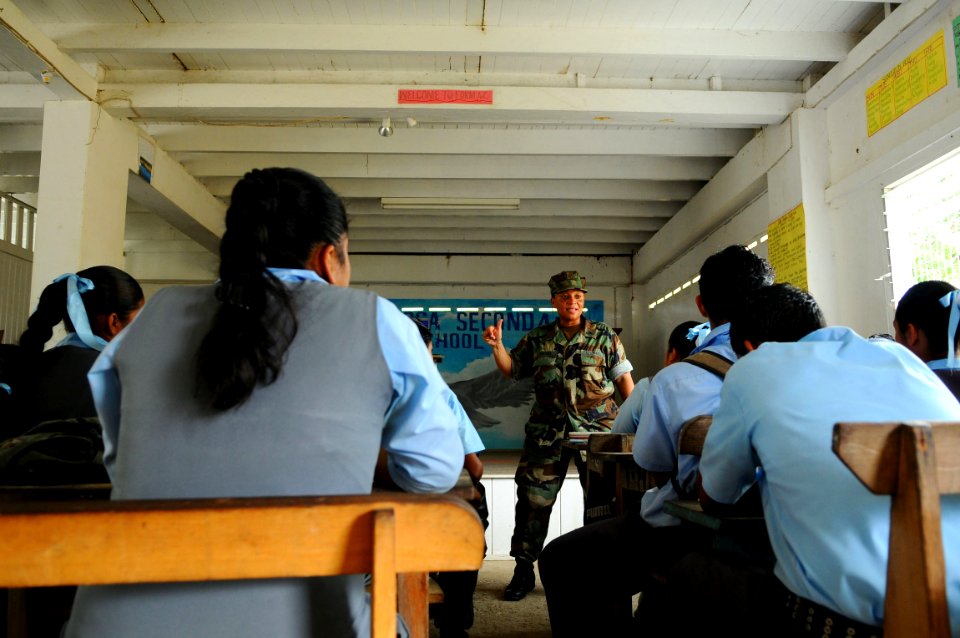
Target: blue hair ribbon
76, 286
951, 300
698, 333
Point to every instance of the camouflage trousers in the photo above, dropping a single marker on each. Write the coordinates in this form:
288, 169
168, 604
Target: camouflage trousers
539, 478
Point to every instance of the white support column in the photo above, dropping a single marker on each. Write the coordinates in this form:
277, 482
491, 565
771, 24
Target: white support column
82, 202
802, 176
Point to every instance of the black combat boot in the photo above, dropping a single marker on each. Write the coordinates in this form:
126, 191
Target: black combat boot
522, 582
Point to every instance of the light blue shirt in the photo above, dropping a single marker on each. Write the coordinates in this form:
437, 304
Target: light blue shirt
468, 433
629, 414
677, 393
419, 401
777, 411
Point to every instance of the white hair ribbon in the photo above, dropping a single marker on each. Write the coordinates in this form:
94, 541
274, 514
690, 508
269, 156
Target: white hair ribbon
76, 286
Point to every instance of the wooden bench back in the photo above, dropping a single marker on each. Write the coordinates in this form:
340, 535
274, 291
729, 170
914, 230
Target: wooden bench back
692, 435
226, 539
901, 459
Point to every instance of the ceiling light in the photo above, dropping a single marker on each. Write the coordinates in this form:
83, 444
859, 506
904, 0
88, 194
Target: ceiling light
449, 203
385, 130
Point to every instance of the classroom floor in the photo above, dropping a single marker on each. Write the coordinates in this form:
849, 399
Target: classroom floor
496, 618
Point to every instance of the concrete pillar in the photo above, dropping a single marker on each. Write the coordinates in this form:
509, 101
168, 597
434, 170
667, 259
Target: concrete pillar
802, 176
86, 155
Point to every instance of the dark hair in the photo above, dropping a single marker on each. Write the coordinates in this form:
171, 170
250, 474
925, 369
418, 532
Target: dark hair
921, 306
727, 276
275, 218
678, 339
425, 332
113, 291
780, 312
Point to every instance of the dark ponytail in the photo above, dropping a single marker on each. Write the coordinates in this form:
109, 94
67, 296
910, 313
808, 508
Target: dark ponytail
276, 217
921, 306
114, 291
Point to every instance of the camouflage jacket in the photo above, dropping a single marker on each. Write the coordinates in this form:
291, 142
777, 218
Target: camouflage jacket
573, 379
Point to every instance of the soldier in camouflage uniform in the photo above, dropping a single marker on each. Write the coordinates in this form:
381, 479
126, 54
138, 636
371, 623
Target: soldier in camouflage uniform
576, 365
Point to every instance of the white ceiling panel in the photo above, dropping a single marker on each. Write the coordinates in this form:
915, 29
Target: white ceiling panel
616, 111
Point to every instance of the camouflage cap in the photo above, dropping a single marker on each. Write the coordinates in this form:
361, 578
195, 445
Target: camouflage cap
567, 280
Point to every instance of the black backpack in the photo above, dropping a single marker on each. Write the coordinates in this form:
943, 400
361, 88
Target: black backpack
63, 452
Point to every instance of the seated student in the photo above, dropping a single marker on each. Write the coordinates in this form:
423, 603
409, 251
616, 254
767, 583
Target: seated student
455, 615
94, 305
278, 380
926, 323
679, 345
617, 554
774, 426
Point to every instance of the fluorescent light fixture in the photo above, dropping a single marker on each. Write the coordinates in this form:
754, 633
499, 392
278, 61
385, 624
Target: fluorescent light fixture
438, 309
521, 309
449, 203
414, 309
468, 310
547, 309
494, 309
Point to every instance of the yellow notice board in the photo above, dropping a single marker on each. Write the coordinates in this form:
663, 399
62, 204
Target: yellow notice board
787, 248
917, 77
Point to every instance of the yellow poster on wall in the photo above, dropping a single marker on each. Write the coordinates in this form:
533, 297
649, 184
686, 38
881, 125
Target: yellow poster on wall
917, 77
787, 248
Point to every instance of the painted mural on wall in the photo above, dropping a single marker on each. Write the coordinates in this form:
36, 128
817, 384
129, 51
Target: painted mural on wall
498, 407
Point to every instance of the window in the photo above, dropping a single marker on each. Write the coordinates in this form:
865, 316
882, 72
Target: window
923, 225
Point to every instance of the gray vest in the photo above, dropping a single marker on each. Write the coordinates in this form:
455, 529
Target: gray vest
316, 430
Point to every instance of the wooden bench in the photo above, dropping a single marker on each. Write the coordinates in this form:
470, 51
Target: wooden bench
914, 463
47, 544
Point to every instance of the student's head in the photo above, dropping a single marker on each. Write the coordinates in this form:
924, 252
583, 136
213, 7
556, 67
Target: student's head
780, 312
726, 277
425, 334
277, 218
110, 298
921, 320
679, 345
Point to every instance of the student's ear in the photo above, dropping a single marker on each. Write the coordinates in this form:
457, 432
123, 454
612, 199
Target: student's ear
703, 311
107, 326
748, 346
324, 260
672, 356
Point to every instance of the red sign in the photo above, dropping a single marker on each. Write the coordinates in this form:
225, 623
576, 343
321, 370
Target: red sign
443, 96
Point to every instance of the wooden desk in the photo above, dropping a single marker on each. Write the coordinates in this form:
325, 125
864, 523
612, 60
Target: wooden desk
411, 587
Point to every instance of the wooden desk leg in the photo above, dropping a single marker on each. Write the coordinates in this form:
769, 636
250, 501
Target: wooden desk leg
16, 613
412, 603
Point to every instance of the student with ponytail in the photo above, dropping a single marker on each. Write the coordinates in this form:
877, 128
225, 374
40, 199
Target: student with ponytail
278, 380
926, 322
94, 305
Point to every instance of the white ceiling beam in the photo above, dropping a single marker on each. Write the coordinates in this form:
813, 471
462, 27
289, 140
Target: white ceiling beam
19, 184
481, 222
339, 39
17, 138
457, 166
34, 52
23, 102
446, 77
497, 235
900, 25
266, 102
479, 188
19, 164
593, 249
464, 140
552, 208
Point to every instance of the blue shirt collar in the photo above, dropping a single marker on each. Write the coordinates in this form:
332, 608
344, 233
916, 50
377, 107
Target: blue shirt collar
940, 364
717, 336
296, 274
